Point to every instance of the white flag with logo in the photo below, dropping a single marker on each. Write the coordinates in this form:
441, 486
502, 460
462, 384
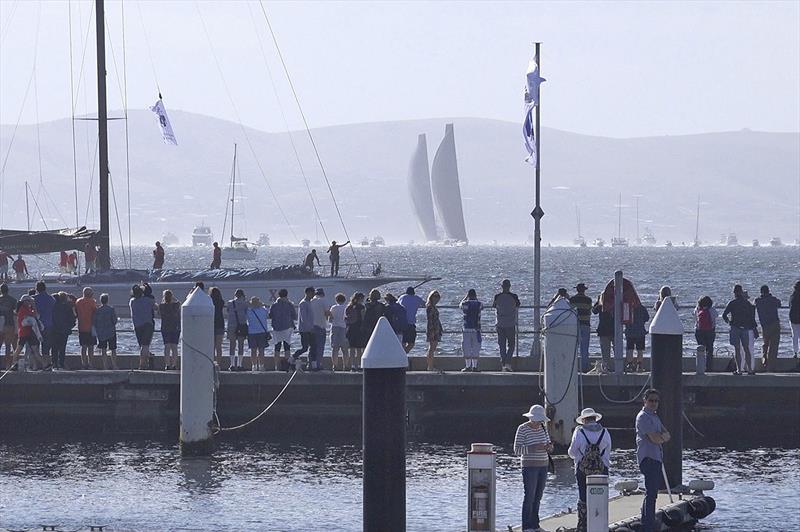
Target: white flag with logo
163, 122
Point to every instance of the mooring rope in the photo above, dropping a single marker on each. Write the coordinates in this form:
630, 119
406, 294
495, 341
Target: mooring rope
243, 425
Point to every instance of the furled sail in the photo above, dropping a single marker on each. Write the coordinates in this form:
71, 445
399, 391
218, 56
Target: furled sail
419, 188
446, 189
33, 242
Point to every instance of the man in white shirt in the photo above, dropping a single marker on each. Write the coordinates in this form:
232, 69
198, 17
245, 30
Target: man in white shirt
339, 334
320, 315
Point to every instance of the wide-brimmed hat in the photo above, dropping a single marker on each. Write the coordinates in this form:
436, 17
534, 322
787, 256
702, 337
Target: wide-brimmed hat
536, 413
588, 412
581, 286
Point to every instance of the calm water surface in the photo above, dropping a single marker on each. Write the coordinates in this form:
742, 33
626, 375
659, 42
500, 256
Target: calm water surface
254, 485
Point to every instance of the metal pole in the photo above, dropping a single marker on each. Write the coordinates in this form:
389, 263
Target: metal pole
104, 240
27, 209
537, 214
619, 366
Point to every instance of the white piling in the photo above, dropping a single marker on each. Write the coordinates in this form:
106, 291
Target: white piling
561, 369
197, 375
597, 503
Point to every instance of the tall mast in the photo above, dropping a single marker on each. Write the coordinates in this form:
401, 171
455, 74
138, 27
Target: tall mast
619, 217
697, 224
27, 208
637, 220
104, 256
233, 192
537, 227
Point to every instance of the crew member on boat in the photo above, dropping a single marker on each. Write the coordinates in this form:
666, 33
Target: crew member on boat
63, 260
334, 251
4, 256
20, 268
310, 258
216, 259
90, 257
158, 257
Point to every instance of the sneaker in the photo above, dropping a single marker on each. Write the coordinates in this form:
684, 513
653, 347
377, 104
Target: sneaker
466, 370
509, 368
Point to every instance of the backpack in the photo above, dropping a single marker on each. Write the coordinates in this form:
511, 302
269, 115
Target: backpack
592, 461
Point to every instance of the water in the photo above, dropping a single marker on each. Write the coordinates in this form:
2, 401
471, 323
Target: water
258, 485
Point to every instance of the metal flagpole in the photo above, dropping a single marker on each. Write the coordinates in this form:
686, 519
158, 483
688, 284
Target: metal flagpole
537, 214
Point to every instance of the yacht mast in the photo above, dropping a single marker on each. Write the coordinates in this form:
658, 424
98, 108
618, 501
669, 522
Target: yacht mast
619, 218
104, 241
697, 224
233, 192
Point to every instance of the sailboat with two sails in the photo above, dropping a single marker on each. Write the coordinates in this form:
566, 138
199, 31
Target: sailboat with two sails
240, 247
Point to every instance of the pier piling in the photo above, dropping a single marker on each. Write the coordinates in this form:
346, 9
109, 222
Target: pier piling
561, 369
384, 431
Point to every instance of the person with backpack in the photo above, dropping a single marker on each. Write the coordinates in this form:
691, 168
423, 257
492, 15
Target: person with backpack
590, 449
705, 328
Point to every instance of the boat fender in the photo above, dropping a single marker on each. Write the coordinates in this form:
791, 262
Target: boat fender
698, 508
701, 485
626, 486
672, 516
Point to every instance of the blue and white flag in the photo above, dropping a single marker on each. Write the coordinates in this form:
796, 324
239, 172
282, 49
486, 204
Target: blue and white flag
532, 82
529, 135
163, 122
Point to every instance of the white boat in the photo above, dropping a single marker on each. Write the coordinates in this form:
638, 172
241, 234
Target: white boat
599, 242
775, 241
169, 239
240, 248
377, 241
364, 241
649, 238
305, 243
202, 235
579, 240
756, 243
731, 240
619, 240
668, 244
263, 239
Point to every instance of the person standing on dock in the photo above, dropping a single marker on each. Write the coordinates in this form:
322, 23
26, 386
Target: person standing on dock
63, 323
396, 315
158, 257
794, 318
532, 444
605, 332
320, 311
506, 305
8, 332
412, 303
219, 323
664, 293
141, 308
170, 312
471, 330
44, 308
373, 310
216, 257
739, 310
283, 316
20, 268
767, 307
354, 321
72, 263
590, 449
85, 307
705, 328
334, 251
257, 333
635, 334
305, 326
339, 333
4, 256
29, 334
433, 332
105, 324
650, 436
308, 264
583, 304
237, 329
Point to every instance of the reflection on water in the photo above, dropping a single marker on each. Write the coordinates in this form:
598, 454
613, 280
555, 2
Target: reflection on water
256, 485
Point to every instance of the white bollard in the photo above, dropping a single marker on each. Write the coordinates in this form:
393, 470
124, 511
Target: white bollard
561, 356
481, 487
197, 375
597, 503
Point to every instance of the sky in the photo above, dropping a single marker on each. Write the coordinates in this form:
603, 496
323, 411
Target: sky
617, 69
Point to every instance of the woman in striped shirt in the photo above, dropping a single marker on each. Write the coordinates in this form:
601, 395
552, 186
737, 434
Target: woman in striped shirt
531, 444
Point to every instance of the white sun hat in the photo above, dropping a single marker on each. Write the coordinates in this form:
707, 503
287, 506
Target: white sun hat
536, 413
588, 412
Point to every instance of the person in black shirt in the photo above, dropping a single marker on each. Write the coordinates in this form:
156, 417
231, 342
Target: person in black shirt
741, 317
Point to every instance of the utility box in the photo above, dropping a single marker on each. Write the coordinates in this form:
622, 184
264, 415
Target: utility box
481, 474
597, 503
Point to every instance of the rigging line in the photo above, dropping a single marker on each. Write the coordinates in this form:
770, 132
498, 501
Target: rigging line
91, 182
310, 136
72, 111
239, 121
114, 61
55, 206
228, 199
147, 43
36, 90
285, 121
116, 211
83, 57
41, 215
8, 23
127, 143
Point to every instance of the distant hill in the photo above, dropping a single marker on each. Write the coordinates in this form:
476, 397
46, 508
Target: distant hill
748, 181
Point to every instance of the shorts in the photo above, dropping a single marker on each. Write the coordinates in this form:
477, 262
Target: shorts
257, 341
339, 338
144, 334
739, 336
282, 336
635, 343
108, 343
87, 339
29, 341
410, 334
171, 337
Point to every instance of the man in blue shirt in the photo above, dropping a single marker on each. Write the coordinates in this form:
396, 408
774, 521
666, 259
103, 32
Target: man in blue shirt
411, 302
650, 435
44, 306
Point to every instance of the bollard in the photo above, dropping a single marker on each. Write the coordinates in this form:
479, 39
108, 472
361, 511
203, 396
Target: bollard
700, 368
197, 375
667, 374
481, 490
597, 503
619, 352
384, 431
561, 358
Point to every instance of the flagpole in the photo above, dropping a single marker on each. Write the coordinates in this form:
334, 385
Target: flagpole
537, 214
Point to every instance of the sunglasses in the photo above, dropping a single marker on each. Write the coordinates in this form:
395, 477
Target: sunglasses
652, 400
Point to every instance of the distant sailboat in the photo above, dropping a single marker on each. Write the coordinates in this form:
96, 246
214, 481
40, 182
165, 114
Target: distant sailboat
419, 188
696, 242
619, 241
446, 189
579, 240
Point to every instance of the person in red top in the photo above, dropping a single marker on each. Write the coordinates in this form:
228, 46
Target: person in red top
85, 308
158, 257
28, 332
72, 262
63, 260
90, 254
20, 268
216, 259
4, 265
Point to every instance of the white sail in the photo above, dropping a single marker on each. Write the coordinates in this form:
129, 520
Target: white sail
446, 189
419, 188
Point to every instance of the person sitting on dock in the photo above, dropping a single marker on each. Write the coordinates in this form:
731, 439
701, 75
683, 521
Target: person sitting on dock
158, 257
105, 325
590, 449
412, 303
308, 264
283, 316
20, 268
471, 330
85, 308
216, 257
334, 251
532, 444
583, 305
739, 311
650, 436
4, 256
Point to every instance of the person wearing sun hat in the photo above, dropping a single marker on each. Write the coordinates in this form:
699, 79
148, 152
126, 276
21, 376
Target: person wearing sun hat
590, 449
532, 444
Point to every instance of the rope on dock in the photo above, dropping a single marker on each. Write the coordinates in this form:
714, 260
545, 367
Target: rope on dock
692, 426
627, 401
243, 425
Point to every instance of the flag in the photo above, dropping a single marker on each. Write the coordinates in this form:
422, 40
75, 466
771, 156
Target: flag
529, 135
532, 82
163, 123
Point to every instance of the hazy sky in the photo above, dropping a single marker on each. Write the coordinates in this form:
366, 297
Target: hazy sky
613, 69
